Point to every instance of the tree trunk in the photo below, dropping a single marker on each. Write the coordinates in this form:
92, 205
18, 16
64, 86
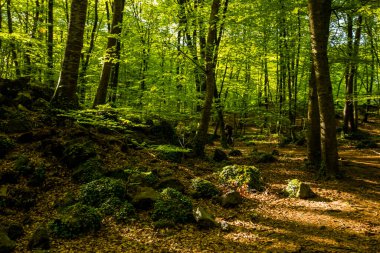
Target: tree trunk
65, 93
112, 52
201, 137
319, 18
313, 124
50, 62
12, 44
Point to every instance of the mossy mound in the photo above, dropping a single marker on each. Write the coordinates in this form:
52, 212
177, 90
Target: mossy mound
110, 206
77, 153
6, 145
366, 144
242, 175
171, 153
262, 157
126, 213
97, 192
202, 188
141, 176
76, 220
298, 189
88, 171
24, 166
172, 207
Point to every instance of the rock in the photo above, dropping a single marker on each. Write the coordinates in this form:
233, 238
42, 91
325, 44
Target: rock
77, 153
24, 98
219, 155
231, 199
173, 183
41, 104
275, 152
6, 145
224, 226
145, 198
9, 176
298, 189
20, 197
40, 239
38, 177
204, 219
88, 171
126, 213
6, 244
19, 124
202, 188
242, 175
235, 152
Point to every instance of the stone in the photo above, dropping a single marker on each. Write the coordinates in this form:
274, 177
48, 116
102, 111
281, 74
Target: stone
231, 199
235, 152
204, 219
40, 239
298, 189
225, 226
219, 155
173, 183
13, 229
145, 198
6, 244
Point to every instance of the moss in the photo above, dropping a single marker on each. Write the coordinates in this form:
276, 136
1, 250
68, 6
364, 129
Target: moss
110, 206
23, 165
172, 207
126, 213
262, 157
88, 171
98, 191
76, 220
298, 189
242, 175
77, 153
203, 188
141, 177
6, 145
171, 153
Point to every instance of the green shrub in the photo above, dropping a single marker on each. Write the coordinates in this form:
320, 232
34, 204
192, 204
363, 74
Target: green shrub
76, 220
77, 153
98, 191
126, 213
242, 175
88, 171
110, 206
173, 207
6, 145
203, 188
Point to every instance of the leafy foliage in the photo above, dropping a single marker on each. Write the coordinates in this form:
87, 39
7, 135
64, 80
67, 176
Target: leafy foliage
97, 192
126, 213
172, 207
203, 188
76, 153
242, 175
76, 220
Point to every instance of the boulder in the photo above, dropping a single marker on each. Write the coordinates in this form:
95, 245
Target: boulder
6, 244
231, 199
6, 145
13, 229
88, 171
40, 239
202, 188
235, 152
219, 155
145, 198
77, 153
298, 189
173, 183
204, 219
242, 176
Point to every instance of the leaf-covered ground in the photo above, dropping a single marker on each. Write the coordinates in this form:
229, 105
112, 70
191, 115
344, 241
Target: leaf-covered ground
344, 217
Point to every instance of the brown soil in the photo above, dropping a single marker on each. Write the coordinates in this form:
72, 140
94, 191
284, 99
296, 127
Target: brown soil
344, 217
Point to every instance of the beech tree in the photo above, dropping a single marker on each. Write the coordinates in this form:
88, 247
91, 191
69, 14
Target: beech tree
65, 93
319, 16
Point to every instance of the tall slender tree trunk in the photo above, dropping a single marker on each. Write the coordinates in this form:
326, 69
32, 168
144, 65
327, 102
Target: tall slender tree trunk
65, 96
12, 44
111, 56
319, 18
50, 44
313, 124
201, 137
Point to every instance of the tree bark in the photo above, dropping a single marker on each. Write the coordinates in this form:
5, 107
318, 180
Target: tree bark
319, 19
12, 44
65, 96
112, 52
201, 137
50, 45
313, 124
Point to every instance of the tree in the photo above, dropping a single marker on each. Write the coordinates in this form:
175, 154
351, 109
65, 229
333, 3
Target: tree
112, 55
65, 96
319, 19
201, 137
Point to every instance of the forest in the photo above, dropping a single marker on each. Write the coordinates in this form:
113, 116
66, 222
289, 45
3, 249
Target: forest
189, 126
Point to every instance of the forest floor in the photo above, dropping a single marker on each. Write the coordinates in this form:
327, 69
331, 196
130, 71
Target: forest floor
344, 217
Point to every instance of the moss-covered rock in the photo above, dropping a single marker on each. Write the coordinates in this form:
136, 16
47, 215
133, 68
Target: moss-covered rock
20, 197
98, 191
298, 189
204, 219
77, 153
140, 176
13, 229
9, 176
263, 157
230, 199
110, 206
6, 145
171, 153
172, 207
76, 220
366, 144
145, 198
38, 177
88, 171
173, 183
40, 239
202, 188
24, 166
235, 152
126, 213
242, 175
